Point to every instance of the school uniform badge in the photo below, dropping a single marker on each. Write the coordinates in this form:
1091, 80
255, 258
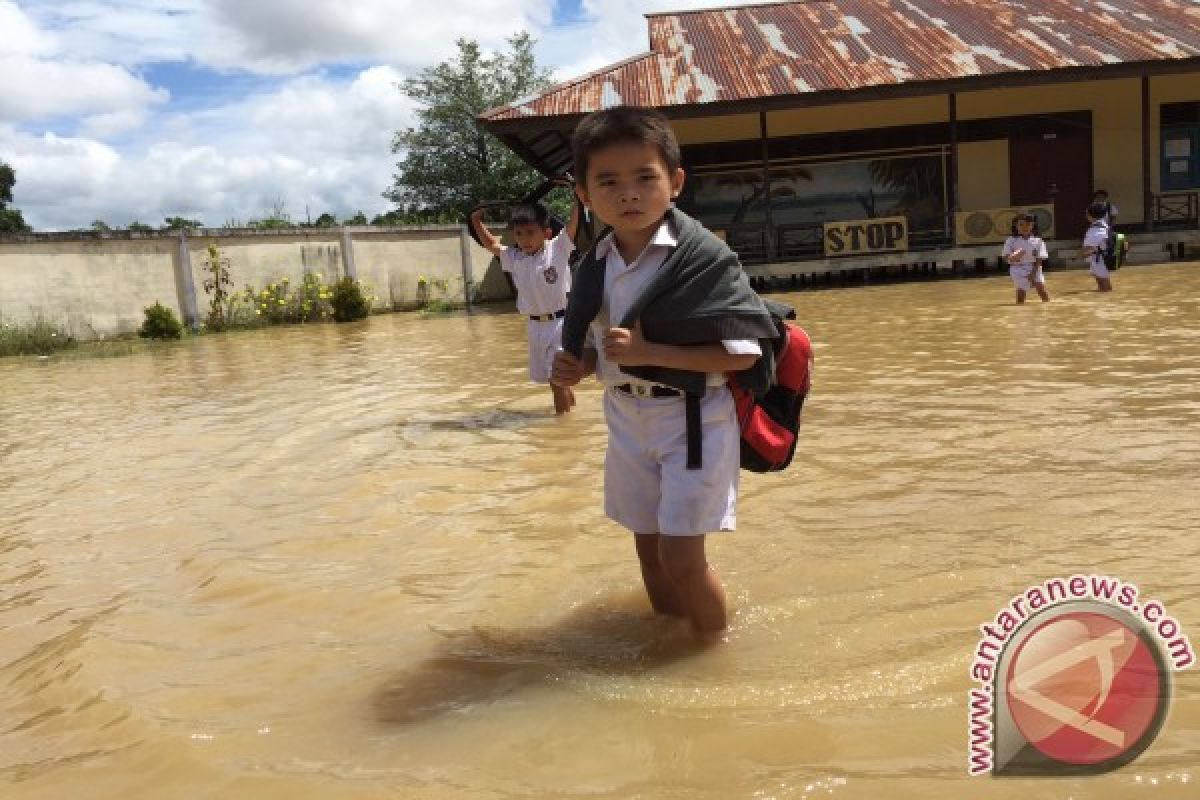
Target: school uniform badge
551, 275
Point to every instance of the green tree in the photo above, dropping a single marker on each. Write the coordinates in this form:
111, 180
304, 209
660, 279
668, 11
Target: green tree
326, 220
7, 179
140, 227
278, 218
100, 226
180, 223
413, 215
11, 220
358, 219
270, 223
450, 163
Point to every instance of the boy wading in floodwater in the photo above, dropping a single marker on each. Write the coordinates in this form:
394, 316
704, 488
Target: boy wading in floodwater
660, 311
540, 268
1095, 242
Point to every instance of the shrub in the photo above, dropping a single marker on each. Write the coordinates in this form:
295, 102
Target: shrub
282, 303
161, 323
37, 338
216, 284
349, 302
431, 295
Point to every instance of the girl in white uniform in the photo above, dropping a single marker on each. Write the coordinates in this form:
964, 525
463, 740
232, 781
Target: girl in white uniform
1025, 254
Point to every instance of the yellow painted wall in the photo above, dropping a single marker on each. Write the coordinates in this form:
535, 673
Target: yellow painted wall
1166, 89
827, 119
859, 116
1116, 108
983, 174
716, 129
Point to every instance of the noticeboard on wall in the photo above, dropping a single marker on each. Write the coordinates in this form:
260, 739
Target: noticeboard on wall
994, 225
858, 236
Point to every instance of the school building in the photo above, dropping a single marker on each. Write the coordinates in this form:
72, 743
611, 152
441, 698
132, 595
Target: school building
847, 134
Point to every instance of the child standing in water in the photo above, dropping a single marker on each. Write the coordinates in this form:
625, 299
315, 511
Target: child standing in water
540, 269
1026, 253
1095, 241
660, 311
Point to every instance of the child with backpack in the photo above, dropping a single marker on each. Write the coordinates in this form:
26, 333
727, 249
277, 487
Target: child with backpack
1100, 247
660, 311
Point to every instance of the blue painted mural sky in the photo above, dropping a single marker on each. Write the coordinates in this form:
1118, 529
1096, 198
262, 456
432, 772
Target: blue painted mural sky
226, 110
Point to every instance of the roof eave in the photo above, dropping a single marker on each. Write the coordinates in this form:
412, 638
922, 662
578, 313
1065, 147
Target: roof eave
1014, 79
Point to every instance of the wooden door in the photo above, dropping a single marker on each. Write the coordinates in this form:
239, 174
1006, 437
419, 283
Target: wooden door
1053, 166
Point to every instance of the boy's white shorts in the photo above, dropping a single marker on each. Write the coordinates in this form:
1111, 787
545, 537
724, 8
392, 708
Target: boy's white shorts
545, 339
647, 486
1099, 270
1023, 276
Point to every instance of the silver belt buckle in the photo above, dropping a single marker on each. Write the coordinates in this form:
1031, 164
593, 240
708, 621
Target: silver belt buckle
641, 390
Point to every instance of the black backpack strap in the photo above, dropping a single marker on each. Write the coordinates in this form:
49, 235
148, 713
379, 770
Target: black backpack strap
695, 431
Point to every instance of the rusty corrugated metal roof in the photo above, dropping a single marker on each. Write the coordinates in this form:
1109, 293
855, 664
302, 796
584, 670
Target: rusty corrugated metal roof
779, 49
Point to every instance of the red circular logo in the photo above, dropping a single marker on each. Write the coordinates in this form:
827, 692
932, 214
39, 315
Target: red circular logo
1085, 688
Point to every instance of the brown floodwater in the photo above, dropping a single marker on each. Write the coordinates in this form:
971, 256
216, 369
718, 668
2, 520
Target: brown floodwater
365, 561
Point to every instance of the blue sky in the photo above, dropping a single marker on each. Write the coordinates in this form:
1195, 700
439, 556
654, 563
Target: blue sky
224, 110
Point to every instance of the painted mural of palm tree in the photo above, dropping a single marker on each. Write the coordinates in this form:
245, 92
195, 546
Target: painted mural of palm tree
783, 184
918, 182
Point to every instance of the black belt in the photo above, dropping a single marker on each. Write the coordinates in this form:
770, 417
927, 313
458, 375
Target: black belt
548, 317
654, 391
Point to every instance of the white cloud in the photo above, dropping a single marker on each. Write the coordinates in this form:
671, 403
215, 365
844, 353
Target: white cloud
318, 138
125, 32
113, 123
281, 35
35, 89
21, 36
313, 143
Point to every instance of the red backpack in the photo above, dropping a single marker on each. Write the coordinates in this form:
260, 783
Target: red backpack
770, 422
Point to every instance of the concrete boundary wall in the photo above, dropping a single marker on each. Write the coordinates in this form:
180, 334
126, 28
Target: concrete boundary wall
97, 285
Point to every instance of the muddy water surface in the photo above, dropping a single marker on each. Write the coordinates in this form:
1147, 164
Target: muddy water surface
366, 562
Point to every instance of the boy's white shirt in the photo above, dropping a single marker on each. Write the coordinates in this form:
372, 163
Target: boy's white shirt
1034, 247
1097, 237
622, 285
543, 278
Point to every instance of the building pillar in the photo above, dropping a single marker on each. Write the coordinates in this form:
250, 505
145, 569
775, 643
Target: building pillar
185, 284
464, 249
348, 267
769, 237
1147, 192
952, 182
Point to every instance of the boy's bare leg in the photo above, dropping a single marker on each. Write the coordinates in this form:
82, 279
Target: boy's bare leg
1042, 293
564, 398
1103, 285
663, 596
696, 583
1020, 296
